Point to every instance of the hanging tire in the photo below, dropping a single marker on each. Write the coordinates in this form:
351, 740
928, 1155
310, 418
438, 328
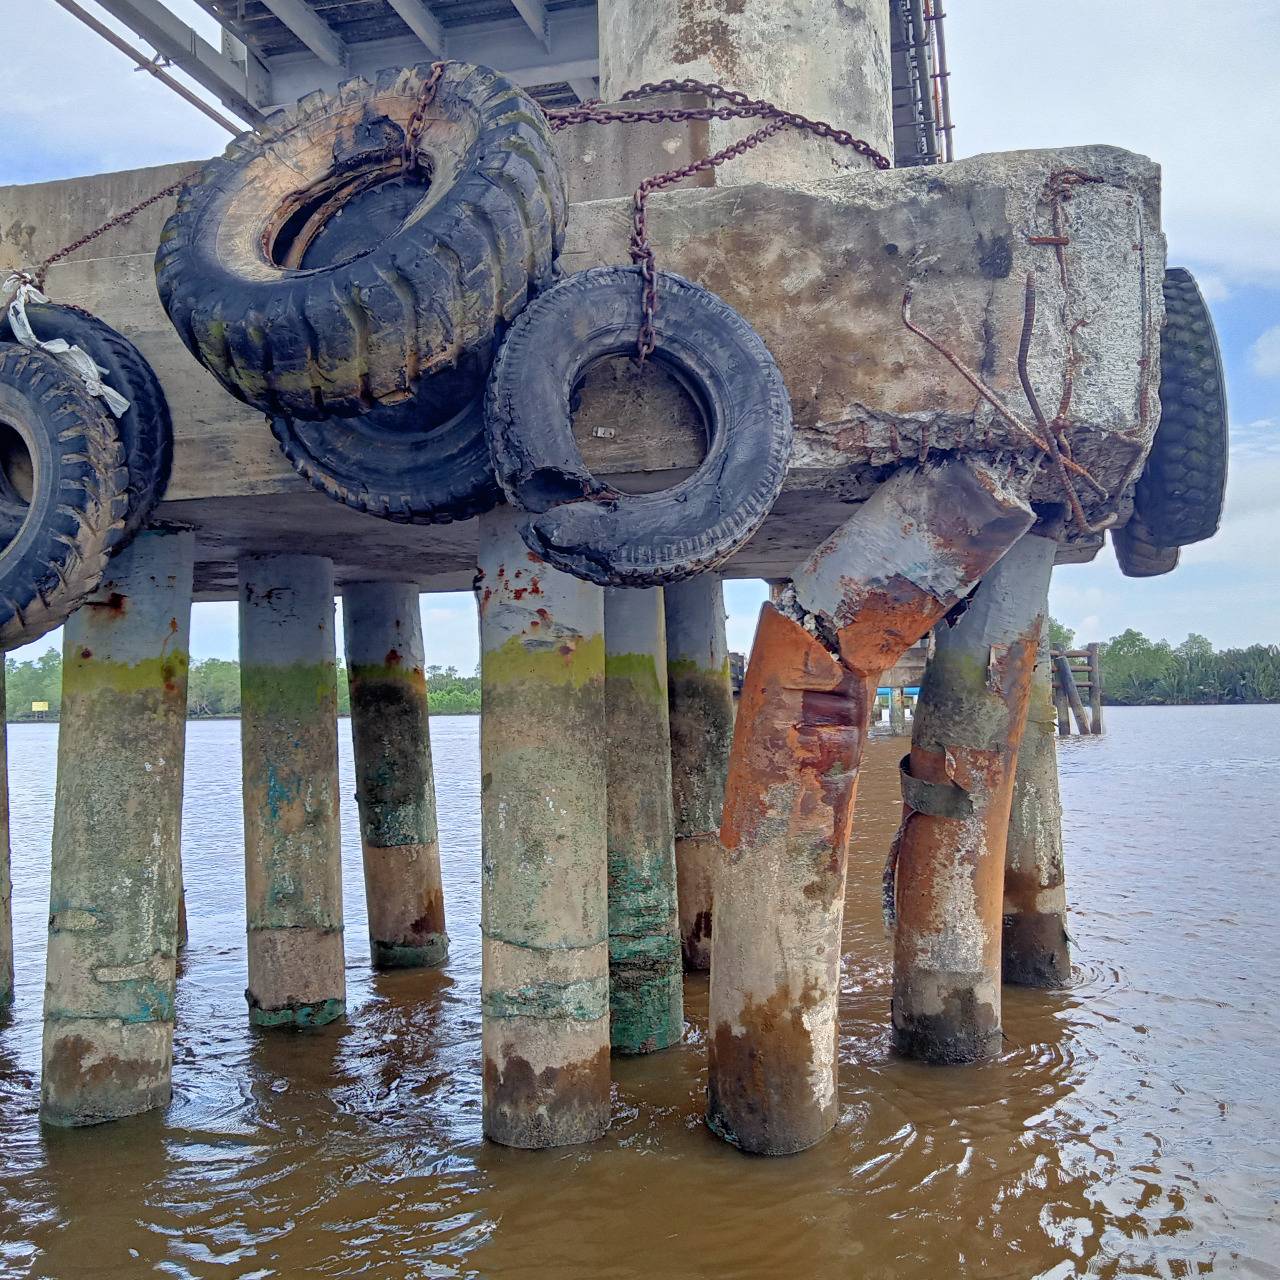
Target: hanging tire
63, 493
315, 279
387, 469
585, 527
1138, 554
1180, 493
146, 429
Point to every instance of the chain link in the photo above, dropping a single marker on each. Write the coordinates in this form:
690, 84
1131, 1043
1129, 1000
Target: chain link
418, 120
37, 276
737, 106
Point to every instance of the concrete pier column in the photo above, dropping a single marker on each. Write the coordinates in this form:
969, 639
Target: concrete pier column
700, 696
289, 743
544, 871
646, 977
6, 880
826, 59
870, 591
395, 788
878, 584
957, 790
117, 824
897, 713
1035, 950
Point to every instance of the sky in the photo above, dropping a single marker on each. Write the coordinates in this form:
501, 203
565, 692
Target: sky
1169, 78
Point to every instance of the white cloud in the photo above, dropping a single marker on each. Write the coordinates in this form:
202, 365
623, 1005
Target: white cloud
1264, 355
1161, 79
1212, 286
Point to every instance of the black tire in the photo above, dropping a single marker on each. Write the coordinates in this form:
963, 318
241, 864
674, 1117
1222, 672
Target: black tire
1138, 555
580, 524
308, 275
63, 493
145, 430
1180, 492
417, 477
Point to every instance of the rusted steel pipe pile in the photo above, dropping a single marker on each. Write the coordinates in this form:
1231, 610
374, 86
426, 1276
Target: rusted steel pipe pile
957, 788
870, 592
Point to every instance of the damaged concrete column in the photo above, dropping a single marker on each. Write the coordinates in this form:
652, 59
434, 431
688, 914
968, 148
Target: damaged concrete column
395, 789
1035, 951
289, 744
544, 876
826, 59
646, 977
867, 594
117, 824
700, 696
6, 880
957, 786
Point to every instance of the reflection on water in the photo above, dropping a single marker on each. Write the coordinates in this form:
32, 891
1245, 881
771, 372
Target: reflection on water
1129, 1129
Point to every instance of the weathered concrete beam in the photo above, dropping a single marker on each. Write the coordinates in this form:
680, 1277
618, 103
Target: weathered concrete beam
544, 875
1036, 951
957, 787
818, 268
887, 576
117, 823
646, 979
289, 745
395, 786
700, 695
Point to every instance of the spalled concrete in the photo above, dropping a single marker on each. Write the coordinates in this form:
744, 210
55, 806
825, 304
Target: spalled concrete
857, 604
826, 59
700, 696
395, 787
544, 873
646, 979
1036, 951
289, 744
957, 789
113, 900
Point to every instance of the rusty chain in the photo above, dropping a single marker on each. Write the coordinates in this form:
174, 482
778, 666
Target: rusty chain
1050, 438
37, 275
738, 106
418, 120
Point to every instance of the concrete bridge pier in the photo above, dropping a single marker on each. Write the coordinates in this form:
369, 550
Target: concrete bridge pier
113, 900
6, 880
826, 59
289, 743
700, 696
957, 789
1036, 951
544, 865
646, 977
395, 787
878, 584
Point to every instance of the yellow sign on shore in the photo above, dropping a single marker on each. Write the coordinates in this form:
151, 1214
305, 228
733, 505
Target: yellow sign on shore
39, 706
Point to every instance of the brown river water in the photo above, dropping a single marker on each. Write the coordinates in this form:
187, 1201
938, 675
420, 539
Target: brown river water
1130, 1129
